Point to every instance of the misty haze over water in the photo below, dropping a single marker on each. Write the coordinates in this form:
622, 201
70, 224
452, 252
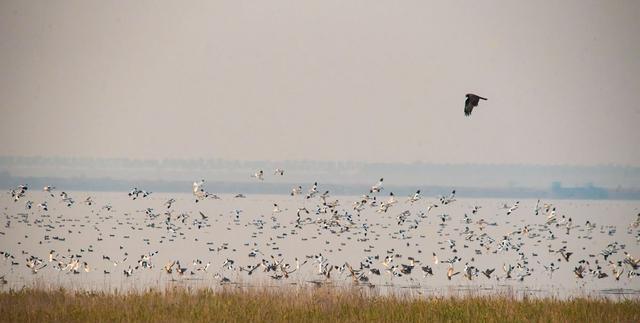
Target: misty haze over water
341, 177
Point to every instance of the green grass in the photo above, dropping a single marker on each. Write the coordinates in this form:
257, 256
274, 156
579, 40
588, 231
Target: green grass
300, 305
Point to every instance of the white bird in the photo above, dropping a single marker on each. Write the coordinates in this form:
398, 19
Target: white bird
451, 198
384, 206
296, 191
450, 272
168, 268
69, 201
513, 208
276, 209
43, 206
19, 192
377, 187
631, 261
537, 209
301, 209
134, 193
313, 190
49, 189
197, 186
259, 175
236, 213
199, 192
507, 269
416, 197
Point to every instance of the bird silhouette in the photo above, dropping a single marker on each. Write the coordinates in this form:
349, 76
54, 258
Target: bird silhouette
471, 102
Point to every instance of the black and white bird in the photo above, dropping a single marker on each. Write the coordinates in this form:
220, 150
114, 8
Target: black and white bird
49, 189
513, 208
43, 206
276, 209
296, 190
199, 192
415, 197
378, 187
471, 102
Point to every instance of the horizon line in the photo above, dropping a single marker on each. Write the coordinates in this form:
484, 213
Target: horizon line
614, 165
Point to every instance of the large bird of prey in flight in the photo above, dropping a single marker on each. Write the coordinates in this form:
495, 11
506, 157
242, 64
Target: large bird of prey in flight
471, 102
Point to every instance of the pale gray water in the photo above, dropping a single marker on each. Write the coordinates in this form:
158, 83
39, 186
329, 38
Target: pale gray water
92, 232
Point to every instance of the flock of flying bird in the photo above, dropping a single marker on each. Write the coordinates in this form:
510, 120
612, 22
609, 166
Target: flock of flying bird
317, 213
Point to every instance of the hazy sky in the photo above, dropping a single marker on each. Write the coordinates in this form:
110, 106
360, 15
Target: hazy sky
323, 80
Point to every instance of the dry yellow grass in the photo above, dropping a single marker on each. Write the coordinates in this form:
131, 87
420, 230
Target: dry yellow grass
300, 305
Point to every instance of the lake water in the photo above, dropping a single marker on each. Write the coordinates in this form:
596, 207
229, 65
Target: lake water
90, 233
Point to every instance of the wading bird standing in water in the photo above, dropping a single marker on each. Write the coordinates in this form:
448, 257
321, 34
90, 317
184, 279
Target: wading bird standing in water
471, 102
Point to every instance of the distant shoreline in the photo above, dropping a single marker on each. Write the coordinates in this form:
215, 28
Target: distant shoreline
588, 192
340, 177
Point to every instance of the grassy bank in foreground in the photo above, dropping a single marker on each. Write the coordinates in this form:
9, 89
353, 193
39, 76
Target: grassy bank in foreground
299, 305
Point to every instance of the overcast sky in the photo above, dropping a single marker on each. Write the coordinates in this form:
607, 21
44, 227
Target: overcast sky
328, 80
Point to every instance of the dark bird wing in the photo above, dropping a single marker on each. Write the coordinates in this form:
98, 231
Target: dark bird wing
471, 102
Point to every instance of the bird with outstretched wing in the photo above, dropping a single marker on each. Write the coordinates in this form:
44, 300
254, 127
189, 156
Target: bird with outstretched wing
471, 102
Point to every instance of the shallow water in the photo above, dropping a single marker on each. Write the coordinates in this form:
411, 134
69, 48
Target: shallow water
125, 231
